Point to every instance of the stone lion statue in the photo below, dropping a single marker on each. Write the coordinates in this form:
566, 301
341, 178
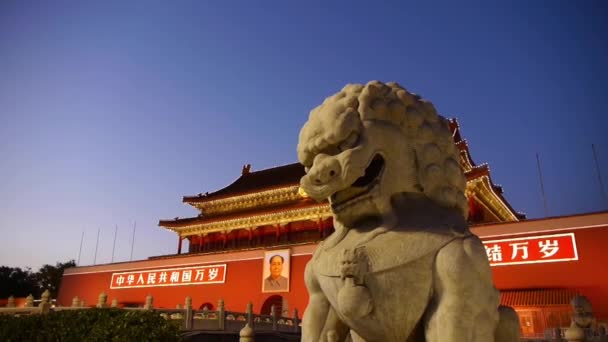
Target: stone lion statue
582, 319
582, 312
402, 264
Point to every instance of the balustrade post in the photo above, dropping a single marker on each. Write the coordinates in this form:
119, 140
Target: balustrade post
45, 302
246, 334
296, 321
45, 308
249, 312
188, 313
29, 301
149, 305
114, 303
75, 302
273, 314
11, 302
221, 314
102, 301
45, 297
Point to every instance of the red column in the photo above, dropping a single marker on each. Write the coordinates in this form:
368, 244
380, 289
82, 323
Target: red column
179, 245
320, 223
201, 238
288, 231
278, 232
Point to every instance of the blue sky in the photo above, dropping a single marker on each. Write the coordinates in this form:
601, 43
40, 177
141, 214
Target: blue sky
110, 111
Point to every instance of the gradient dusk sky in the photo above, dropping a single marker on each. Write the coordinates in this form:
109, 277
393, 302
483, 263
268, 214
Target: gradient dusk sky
111, 111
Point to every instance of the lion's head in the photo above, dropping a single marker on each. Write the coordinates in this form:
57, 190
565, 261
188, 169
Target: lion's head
583, 313
367, 143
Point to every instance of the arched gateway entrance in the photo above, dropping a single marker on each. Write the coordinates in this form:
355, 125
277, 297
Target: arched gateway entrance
275, 300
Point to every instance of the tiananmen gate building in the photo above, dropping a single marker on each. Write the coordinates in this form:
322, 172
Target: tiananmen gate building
251, 240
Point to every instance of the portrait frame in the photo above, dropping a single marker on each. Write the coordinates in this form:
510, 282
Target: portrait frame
282, 284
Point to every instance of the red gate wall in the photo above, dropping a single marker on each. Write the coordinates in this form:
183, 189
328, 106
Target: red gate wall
243, 282
588, 275
244, 271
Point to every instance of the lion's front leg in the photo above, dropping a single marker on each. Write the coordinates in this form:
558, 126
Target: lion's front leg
465, 302
320, 322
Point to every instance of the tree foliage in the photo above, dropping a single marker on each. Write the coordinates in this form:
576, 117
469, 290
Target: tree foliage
18, 282
49, 277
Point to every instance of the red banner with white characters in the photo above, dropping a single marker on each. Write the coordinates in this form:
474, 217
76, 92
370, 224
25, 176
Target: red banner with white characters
531, 249
195, 275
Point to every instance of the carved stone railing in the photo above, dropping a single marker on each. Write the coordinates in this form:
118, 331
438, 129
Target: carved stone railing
29, 308
570, 334
246, 323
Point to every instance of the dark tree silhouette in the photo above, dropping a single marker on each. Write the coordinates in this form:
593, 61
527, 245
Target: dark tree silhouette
18, 282
49, 277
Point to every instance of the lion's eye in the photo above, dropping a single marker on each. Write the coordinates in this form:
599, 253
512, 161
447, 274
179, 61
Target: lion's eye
330, 150
349, 142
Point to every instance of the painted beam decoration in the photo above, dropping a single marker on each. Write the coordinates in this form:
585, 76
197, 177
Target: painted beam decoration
531, 250
196, 275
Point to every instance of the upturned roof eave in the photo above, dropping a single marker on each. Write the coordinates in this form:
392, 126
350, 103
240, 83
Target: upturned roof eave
203, 199
249, 180
188, 221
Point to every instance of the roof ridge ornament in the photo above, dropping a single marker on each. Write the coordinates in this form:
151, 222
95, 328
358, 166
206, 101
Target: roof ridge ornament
246, 169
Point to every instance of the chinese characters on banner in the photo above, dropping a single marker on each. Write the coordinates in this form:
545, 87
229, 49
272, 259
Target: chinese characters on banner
169, 277
533, 249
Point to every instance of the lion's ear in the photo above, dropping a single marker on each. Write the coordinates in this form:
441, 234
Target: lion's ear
304, 153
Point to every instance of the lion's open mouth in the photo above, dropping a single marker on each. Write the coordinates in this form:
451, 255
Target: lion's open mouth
362, 185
